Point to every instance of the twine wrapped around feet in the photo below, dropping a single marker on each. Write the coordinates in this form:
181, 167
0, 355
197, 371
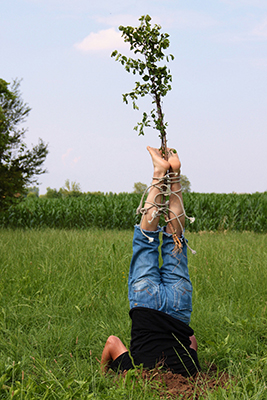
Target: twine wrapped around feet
161, 205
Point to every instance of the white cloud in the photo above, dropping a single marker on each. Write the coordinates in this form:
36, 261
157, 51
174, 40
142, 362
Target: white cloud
103, 40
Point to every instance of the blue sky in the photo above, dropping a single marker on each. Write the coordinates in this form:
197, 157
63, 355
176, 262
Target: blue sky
217, 109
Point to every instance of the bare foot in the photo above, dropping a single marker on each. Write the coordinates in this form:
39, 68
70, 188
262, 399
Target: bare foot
161, 166
174, 161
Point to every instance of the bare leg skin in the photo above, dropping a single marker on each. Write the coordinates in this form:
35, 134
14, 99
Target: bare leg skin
112, 350
193, 344
174, 160
175, 203
161, 166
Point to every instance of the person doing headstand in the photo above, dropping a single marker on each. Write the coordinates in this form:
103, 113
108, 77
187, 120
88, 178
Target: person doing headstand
160, 297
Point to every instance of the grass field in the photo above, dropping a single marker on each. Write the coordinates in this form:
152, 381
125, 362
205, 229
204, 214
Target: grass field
62, 293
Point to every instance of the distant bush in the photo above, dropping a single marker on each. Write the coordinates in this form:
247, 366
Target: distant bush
212, 211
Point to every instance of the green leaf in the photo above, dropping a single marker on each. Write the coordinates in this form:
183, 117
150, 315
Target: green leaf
114, 53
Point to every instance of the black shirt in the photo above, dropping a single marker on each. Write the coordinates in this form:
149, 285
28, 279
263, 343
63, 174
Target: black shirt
159, 339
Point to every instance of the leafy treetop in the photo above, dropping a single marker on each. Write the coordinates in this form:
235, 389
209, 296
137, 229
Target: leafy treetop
139, 187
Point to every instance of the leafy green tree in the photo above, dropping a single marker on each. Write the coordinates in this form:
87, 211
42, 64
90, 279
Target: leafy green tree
185, 184
33, 191
52, 193
18, 165
150, 43
139, 187
71, 189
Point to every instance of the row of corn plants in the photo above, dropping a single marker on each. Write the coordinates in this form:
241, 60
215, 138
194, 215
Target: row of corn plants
212, 211
216, 211
111, 211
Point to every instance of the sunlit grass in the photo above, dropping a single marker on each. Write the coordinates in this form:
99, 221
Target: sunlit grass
62, 293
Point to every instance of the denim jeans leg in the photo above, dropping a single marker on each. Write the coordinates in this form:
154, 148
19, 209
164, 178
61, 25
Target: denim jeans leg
175, 279
144, 275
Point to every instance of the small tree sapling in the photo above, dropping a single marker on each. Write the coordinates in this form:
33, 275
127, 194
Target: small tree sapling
149, 42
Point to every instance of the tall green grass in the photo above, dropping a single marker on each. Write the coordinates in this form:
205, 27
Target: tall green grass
237, 212
62, 293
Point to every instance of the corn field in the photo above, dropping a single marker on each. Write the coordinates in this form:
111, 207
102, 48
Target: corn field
212, 212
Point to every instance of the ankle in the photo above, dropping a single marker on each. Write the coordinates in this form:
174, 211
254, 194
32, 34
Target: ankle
175, 172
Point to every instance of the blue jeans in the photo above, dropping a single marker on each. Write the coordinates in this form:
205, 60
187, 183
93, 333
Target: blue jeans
167, 289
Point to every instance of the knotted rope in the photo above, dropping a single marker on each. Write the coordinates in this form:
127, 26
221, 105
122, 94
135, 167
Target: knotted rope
161, 205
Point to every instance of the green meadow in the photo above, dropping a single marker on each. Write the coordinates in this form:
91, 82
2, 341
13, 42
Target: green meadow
63, 292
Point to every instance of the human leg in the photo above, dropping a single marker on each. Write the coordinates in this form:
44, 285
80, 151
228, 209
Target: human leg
112, 350
144, 275
175, 279
150, 219
156, 202
176, 208
174, 271
193, 344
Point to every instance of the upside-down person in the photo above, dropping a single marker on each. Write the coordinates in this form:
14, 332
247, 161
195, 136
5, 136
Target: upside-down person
160, 297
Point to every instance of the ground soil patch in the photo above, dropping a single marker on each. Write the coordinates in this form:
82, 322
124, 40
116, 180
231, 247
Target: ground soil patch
176, 386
